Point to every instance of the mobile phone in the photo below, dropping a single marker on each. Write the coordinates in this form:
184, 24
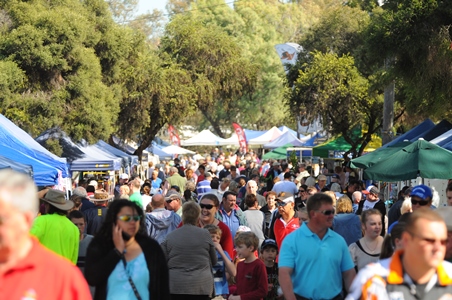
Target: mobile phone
125, 236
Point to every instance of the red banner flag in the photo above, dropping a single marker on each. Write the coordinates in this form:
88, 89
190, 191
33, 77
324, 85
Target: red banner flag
174, 137
241, 136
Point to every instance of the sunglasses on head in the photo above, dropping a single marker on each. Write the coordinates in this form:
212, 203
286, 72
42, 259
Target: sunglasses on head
327, 212
206, 206
128, 218
421, 202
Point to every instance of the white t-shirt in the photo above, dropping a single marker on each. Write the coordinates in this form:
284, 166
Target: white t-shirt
369, 205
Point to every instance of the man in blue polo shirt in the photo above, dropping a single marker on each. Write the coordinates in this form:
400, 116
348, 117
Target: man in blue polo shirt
314, 260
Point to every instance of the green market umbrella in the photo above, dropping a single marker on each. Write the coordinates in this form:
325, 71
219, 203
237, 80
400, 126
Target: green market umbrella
278, 153
420, 158
372, 158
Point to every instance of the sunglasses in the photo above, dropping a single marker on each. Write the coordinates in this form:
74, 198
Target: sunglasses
327, 212
128, 218
421, 203
301, 191
429, 241
170, 200
280, 204
206, 206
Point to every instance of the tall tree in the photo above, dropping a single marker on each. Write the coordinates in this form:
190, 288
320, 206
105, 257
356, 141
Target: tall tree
332, 87
219, 72
416, 34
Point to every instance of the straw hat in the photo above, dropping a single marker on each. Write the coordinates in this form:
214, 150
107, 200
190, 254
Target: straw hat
101, 195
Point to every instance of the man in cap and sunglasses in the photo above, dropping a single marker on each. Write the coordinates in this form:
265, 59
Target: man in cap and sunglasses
314, 261
173, 202
285, 220
421, 197
54, 230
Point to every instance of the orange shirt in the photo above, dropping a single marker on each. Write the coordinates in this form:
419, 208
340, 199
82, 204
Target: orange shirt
43, 275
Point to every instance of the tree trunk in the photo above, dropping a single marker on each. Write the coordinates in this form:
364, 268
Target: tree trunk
215, 124
388, 109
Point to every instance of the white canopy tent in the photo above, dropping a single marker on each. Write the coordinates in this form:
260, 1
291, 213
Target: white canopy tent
173, 149
267, 137
205, 138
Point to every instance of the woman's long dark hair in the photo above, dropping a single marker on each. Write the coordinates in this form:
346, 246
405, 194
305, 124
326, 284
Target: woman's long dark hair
105, 232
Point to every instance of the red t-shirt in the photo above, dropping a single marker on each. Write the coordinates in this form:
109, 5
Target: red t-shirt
251, 280
43, 275
281, 230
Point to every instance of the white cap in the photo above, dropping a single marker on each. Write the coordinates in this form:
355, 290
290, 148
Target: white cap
123, 176
93, 183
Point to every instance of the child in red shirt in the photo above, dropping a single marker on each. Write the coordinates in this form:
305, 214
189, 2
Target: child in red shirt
251, 272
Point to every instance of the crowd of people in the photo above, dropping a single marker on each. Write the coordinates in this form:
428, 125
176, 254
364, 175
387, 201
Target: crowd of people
219, 226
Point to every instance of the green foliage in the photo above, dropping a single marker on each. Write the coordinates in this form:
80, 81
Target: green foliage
214, 61
416, 35
53, 145
332, 87
60, 62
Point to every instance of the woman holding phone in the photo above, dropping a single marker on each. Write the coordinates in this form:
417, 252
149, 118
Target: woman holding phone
122, 262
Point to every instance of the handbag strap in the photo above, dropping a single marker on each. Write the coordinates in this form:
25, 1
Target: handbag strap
134, 288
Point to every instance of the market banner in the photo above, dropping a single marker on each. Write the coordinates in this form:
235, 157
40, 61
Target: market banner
174, 136
241, 136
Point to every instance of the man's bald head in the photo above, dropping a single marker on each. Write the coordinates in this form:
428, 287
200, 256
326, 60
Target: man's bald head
356, 197
158, 201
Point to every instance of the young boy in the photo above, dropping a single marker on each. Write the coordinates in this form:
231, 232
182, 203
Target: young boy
224, 268
269, 251
251, 273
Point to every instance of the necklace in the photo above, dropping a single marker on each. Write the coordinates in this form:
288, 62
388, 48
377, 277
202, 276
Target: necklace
370, 249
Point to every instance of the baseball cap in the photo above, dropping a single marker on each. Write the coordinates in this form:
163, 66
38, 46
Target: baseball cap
93, 183
123, 176
336, 176
285, 197
371, 189
269, 243
321, 177
171, 195
422, 191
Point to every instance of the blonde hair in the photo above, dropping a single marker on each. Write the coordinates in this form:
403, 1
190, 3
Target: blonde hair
344, 205
190, 185
406, 206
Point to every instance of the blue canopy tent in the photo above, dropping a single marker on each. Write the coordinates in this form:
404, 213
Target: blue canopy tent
81, 158
156, 150
6, 163
311, 141
413, 133
284, 139
14, 137
43, 174
434, 132
251, 134
284, 129
443, 139
130, 159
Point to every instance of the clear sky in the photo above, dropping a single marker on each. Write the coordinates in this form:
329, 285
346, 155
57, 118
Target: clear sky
150, 5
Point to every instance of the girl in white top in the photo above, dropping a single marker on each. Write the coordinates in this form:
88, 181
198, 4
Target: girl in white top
367, 249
